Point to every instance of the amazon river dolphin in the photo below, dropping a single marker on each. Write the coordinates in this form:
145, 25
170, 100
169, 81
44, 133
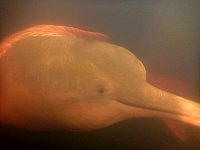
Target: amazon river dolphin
54, 77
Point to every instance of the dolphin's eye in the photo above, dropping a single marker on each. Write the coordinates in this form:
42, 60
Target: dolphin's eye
101, 90
104, 85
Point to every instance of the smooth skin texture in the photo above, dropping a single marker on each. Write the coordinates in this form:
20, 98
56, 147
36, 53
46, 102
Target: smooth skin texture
62, 77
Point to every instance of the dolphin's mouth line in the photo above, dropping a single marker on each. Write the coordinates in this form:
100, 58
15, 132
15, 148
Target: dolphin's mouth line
155, 109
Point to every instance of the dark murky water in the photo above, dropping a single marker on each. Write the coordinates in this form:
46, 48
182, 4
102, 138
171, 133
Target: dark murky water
164, 35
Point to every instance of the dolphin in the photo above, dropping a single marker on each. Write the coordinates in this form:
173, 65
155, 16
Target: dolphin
64, 77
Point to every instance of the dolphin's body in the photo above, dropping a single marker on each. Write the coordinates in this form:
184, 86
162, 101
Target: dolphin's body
56, 76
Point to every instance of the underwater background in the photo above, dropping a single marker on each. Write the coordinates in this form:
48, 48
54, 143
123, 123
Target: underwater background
164, 35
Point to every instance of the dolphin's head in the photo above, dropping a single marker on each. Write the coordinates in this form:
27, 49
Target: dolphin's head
44, 74
57, 76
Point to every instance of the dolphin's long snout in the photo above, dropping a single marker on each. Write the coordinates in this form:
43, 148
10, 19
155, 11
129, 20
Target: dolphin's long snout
164, 104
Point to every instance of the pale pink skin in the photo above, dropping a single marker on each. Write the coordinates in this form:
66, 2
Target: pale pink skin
107, 84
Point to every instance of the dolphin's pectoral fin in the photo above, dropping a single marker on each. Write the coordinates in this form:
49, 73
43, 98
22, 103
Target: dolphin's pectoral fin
177, 129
